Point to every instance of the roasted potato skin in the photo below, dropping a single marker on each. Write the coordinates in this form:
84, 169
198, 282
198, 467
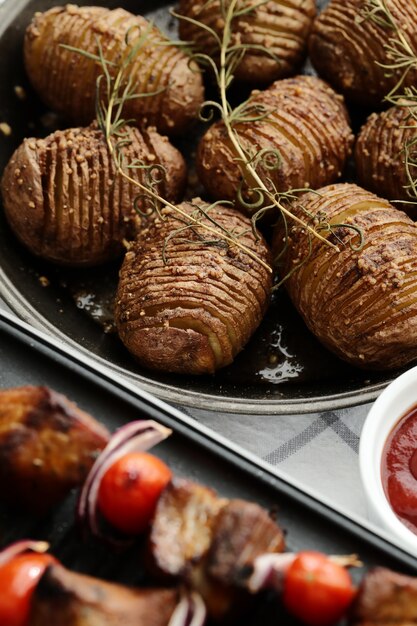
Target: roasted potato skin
194, 312
65, 200
347, 50
308, 125
380, 157
282, 29
47, 446
81, 600
360, 303
67, 81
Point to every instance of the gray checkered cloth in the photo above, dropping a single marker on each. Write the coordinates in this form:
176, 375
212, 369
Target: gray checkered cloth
319, 451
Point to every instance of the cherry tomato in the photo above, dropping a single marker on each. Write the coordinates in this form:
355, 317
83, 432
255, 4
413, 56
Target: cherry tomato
317, 590
18, 579
130, 489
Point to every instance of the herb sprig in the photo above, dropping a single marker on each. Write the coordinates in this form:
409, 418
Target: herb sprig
401, 59
114, 87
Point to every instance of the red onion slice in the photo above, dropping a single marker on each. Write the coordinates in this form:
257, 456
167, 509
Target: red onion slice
20, 547
190, 611
137, 436
269, 571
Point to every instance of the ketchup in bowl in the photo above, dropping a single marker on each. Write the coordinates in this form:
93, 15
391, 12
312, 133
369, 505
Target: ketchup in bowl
399, 469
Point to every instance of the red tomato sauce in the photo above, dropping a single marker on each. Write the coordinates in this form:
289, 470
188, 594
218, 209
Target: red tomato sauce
399, 469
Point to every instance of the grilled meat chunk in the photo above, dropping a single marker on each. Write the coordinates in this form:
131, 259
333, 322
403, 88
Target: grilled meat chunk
243, 531
66, 201
385, 597
47, 445
78, 600
210, 543
182, 529
185, 304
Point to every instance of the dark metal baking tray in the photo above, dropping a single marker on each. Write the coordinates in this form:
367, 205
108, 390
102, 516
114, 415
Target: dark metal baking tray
283, 369
29, 357
24, 359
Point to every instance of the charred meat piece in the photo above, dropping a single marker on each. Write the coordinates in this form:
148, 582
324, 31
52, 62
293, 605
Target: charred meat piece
47, 445
210, 543
386, 597
182, 529
80, 600
243, 531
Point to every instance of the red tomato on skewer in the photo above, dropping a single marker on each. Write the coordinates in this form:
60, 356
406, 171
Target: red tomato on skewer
317, 590
130, 489
18, 579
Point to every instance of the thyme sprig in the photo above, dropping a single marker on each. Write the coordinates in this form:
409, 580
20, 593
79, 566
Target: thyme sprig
401, 58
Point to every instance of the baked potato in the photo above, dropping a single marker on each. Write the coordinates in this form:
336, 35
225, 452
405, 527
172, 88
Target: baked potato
71, 599
360, 303
47, 446
380, 155
348, 51
307, 124
66, 202
281, 28
66, 81
193, 311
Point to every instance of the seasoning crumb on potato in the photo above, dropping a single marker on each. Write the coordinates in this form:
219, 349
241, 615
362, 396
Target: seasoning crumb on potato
308, 126
65, 201
349, 51
194, 312
380, 155
66, 81
281, 28
361, 304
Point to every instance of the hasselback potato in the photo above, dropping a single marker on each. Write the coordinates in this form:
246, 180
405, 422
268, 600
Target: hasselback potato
281, 28
381, 157
66, 81
307, 124
361, 304
65, 200
348, 51
195, 312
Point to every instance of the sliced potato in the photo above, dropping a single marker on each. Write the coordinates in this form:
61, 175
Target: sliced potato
281, 28
349, 51
362, 304
65, 200
307, 124
193, 312
381, 158
66, 81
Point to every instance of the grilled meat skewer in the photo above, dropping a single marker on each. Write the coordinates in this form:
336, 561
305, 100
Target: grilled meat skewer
47, 446
79, 600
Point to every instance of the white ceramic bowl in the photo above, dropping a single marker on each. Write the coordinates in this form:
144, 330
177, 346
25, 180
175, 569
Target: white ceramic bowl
393, 403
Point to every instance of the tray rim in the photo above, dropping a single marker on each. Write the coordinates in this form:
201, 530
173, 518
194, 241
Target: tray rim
185, 397
70, 358
9, 9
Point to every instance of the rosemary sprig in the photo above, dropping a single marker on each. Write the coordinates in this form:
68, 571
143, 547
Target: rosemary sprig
113, 89
230, 52
402, 59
